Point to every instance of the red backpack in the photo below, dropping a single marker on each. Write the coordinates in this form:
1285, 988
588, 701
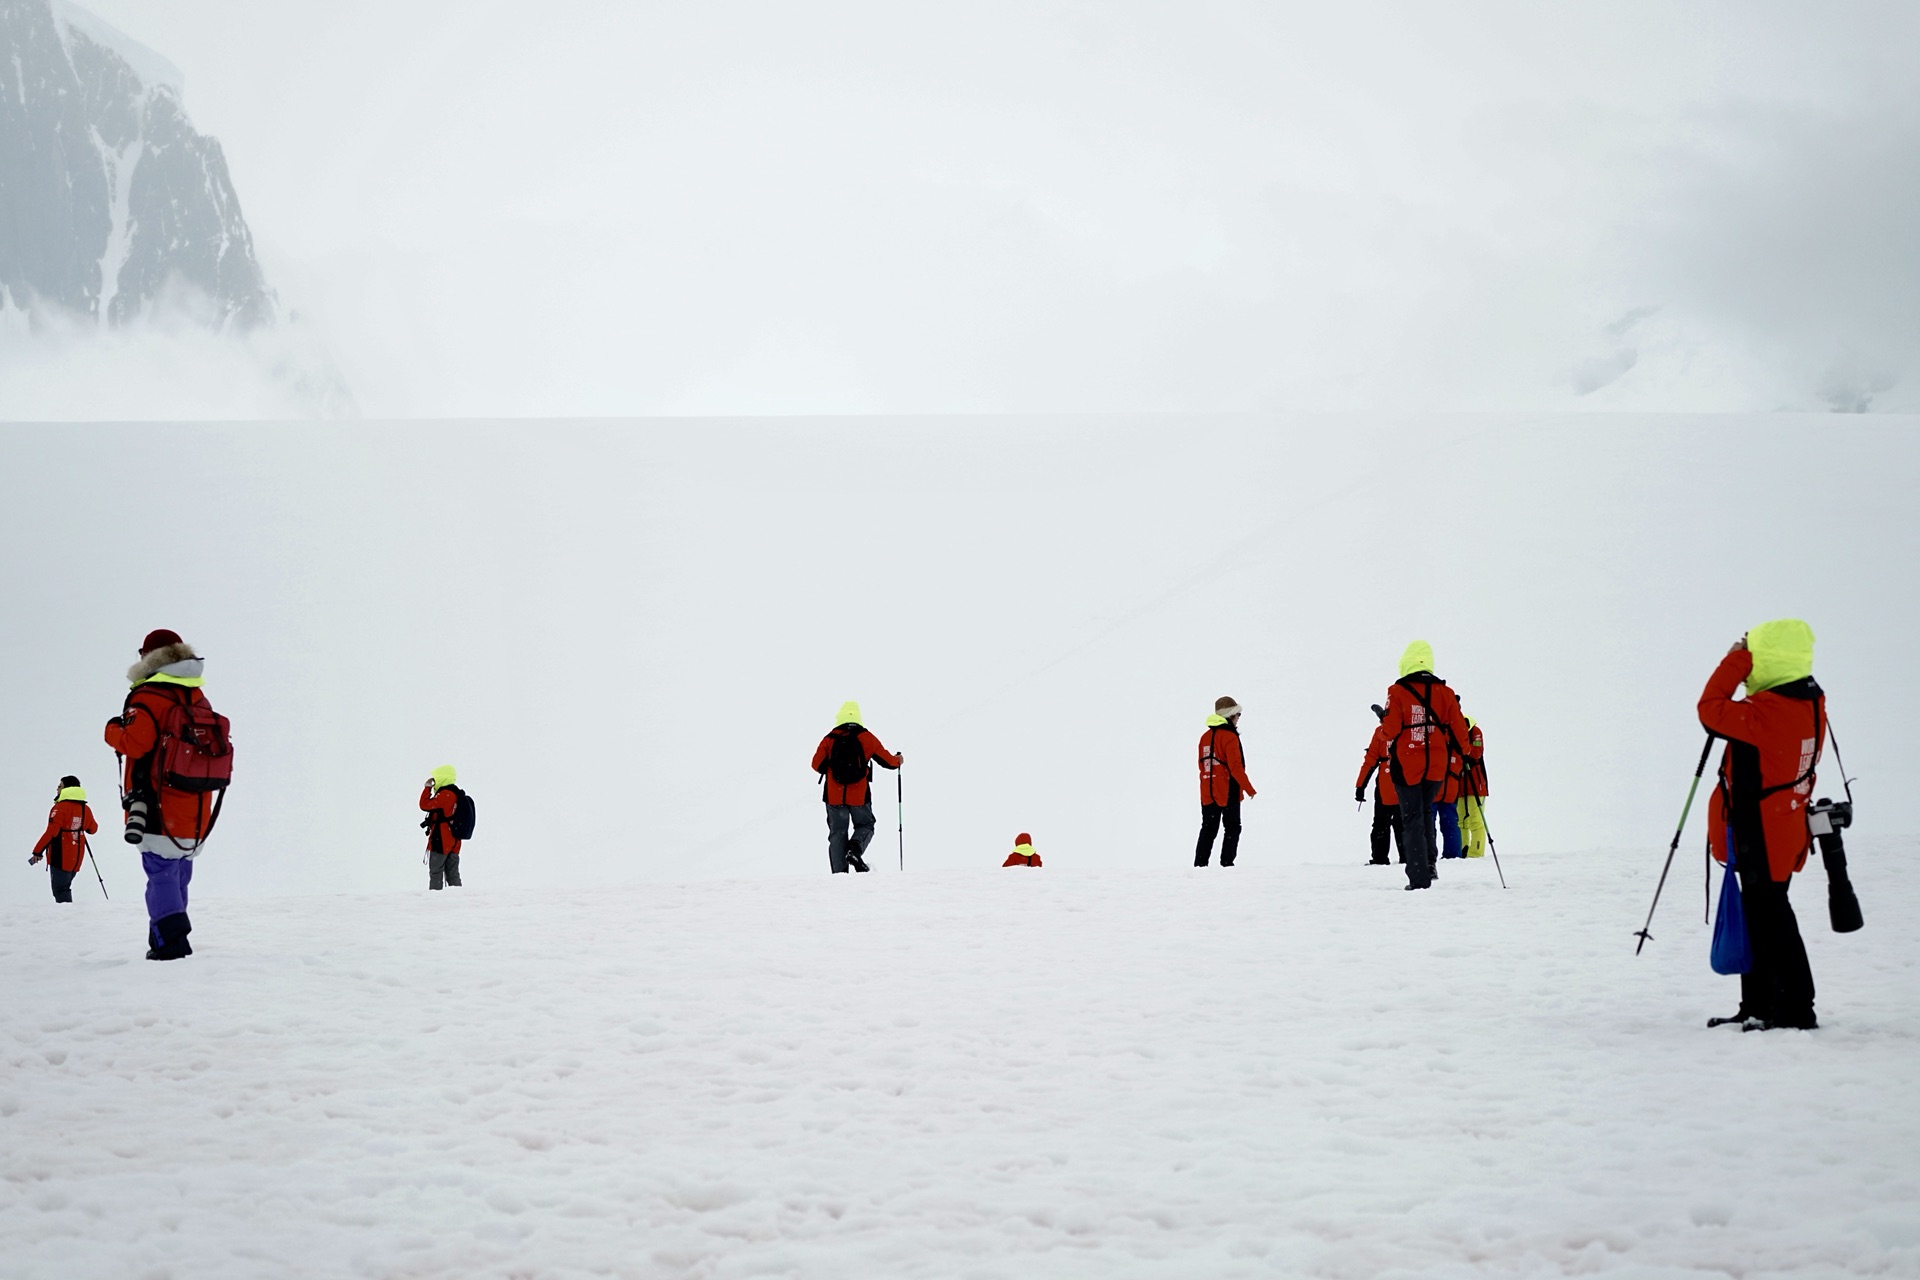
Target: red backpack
195, 751
194, 756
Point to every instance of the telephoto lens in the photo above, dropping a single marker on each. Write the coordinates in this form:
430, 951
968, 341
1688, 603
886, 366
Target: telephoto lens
1826, 819
136, 821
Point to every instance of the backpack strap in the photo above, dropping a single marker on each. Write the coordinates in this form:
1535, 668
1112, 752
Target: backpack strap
1813, 763
208, 819
1432, 719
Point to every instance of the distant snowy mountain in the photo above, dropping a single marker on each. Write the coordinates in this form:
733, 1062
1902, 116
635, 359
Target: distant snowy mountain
108, 196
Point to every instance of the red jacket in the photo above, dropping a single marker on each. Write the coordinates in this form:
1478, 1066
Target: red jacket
1421, 745
184, 815
858, 793
61, 841
1774, 739
1476, 783
1376, 764
440, 805
1221, 763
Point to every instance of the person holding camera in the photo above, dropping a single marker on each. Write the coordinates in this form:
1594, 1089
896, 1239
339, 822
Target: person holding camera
176, 761
1758, 823
440, 801
64, 843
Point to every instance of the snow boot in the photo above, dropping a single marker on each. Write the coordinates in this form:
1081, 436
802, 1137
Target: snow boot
169, 937
855, 861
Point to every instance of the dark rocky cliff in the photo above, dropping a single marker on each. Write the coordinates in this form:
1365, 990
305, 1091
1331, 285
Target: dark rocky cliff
108, 197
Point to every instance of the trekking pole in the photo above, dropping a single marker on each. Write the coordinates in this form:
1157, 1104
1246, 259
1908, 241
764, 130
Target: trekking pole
1490, 845
86, 848
900, 812
1699, 769
1466, 759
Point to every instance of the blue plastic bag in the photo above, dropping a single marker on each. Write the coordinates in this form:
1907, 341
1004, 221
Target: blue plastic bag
1732, 953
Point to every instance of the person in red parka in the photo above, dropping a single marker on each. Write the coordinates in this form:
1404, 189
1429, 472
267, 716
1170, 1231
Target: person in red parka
1386, 801
1023, 854
1223, 781
64, 843
440, 800
1422, 724
1758, 819
167, 822
844, 760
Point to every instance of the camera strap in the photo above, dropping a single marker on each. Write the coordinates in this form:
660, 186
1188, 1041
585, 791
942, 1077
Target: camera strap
1845, 781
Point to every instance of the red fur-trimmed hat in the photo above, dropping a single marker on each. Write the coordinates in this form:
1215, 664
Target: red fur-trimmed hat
158, 640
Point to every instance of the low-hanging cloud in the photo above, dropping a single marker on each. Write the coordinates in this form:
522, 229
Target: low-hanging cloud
170, 363
1039, 207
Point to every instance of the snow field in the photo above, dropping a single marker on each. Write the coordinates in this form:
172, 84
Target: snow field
1259, 1071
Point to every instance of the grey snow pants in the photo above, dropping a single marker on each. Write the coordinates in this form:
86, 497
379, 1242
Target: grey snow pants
443, 864
838, 816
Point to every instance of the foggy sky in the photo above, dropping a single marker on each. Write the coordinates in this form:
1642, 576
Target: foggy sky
585, 207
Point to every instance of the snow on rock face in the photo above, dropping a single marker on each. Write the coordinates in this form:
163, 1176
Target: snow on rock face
1174, 1074
108, 197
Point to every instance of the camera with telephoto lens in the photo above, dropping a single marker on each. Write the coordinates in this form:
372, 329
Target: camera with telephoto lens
136, 820
1826, 819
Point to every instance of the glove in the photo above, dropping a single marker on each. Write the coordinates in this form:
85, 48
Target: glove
1359, 795
35, 858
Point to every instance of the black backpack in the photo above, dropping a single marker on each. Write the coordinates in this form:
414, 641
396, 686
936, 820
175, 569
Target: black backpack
847, 761
462, 815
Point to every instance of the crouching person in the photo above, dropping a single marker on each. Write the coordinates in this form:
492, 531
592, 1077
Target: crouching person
449, 824
176, 762
64, 843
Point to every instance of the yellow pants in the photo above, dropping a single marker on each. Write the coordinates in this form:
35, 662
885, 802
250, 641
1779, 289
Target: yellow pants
1473, 826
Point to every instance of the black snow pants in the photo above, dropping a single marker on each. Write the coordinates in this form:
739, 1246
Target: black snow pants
63, 885
1386, 829
1212, 818
1416, 830
1779, 987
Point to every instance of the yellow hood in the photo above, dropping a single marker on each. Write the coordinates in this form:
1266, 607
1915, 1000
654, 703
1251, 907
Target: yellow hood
1782, 652
73, 793
444, 776
849, 714
1418, 657
1024, 850
1214, 722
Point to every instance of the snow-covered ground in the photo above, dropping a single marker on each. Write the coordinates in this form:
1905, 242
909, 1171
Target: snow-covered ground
1282, 1069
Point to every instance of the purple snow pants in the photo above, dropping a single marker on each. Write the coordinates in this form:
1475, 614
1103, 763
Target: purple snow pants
166, 885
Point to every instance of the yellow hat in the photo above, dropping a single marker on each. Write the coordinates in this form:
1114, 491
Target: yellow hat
849, 714
1418, 657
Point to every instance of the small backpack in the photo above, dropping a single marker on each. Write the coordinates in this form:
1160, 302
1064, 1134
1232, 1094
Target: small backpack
462, 814
847, 762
